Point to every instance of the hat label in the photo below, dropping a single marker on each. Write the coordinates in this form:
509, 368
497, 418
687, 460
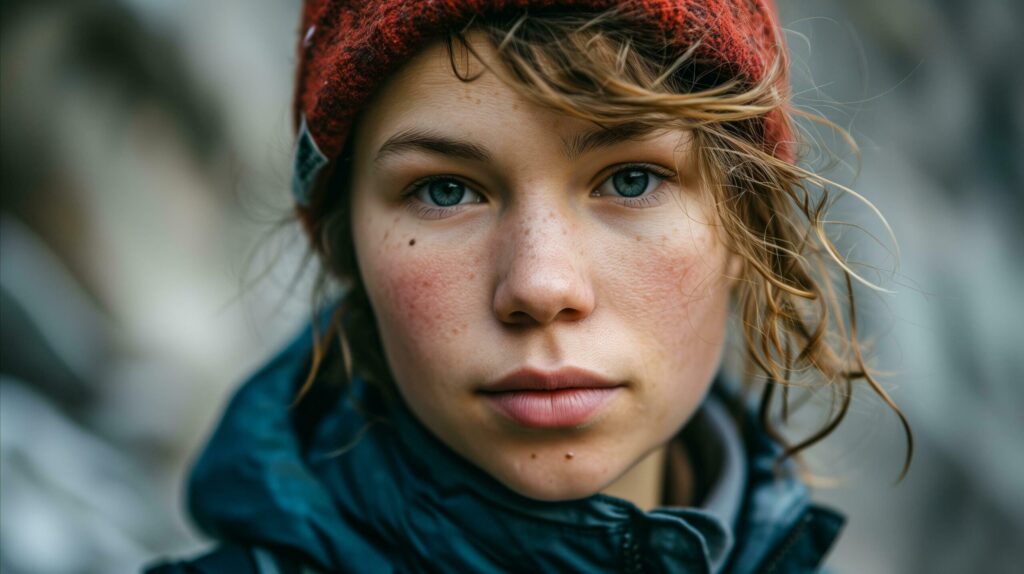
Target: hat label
309, 160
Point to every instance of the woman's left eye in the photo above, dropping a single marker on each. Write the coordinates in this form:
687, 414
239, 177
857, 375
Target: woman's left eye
633, 182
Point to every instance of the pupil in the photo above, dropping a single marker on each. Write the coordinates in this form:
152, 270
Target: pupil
630, 183
446, 193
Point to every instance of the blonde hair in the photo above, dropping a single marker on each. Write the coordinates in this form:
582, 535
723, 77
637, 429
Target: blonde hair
771, 211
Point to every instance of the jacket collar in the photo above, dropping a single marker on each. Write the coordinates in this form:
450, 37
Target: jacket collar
368, 492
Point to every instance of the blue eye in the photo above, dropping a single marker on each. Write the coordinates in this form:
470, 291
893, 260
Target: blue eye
445, 192
633, 181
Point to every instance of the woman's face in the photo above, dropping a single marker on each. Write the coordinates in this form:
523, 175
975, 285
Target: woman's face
551, 301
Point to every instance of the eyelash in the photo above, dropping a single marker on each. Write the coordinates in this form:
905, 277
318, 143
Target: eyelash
425, 211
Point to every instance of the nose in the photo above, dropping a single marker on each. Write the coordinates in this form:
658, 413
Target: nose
543, 275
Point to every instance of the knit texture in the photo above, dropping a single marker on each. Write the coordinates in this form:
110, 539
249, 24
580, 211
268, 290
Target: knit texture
348, 47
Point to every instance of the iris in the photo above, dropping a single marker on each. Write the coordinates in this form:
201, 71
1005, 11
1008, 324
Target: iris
630, 182
446, 193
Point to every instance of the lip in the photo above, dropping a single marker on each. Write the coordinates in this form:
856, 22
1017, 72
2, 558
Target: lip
568, 397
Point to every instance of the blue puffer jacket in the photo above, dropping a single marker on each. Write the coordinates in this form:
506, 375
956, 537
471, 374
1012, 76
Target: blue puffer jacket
364, 494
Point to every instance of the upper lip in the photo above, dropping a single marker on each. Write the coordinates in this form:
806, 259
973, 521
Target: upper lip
531, 379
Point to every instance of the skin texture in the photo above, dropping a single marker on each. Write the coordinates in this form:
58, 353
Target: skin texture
543, 266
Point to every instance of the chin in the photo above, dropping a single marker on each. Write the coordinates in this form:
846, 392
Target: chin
548, 492
553, 477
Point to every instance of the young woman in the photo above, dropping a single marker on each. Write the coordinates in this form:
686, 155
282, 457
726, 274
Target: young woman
541, 217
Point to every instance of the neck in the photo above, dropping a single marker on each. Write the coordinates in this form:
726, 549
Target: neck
642, 485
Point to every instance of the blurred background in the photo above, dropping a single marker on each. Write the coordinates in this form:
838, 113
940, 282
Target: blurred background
145, 270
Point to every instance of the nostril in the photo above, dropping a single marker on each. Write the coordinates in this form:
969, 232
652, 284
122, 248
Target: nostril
570, 314
538, 318
520, 318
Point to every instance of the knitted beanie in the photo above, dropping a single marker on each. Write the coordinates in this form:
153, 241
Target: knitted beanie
348, 47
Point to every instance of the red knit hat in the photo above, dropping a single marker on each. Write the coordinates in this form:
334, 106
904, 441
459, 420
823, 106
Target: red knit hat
349, 46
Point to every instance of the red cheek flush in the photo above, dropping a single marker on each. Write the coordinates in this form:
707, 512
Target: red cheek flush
423, 295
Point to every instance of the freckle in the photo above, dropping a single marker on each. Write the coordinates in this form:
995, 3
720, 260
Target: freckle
471, 276
569, 455
638, 238
533, 455
412, 242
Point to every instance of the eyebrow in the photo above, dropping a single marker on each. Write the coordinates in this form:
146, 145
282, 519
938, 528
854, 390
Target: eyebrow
603, 137
431, 141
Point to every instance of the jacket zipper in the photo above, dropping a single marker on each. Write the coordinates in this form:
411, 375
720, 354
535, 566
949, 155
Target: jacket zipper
787, 544
631, 551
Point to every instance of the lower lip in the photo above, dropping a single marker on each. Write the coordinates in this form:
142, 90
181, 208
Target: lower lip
552, 409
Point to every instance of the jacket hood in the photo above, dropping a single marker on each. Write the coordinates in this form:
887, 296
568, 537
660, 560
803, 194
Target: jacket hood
372, 494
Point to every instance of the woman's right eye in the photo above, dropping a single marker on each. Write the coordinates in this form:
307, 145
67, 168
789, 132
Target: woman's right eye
444, 192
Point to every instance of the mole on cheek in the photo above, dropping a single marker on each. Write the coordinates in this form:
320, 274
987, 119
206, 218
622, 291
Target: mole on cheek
412, 242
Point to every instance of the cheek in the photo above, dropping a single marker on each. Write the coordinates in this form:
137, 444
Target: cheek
676, 278
678, 316
422, 301
672, 292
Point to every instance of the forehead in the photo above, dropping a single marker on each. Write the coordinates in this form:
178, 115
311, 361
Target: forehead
426, 90
431, 94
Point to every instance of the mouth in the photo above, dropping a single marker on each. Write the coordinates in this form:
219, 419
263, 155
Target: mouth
568, 397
